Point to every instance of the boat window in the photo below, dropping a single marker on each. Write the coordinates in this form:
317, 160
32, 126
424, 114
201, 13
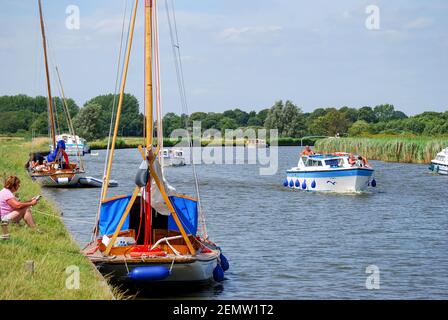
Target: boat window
332, 162
313, 163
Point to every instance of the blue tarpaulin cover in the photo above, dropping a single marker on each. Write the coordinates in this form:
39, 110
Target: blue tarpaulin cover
187, 211
111, 213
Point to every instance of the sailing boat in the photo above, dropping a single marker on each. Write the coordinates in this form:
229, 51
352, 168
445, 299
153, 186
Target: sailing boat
151, 236
55, 173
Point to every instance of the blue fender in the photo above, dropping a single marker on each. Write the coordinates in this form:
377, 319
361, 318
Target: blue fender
224, 262
218, 273
149, 273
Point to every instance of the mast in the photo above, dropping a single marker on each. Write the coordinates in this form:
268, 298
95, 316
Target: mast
50, 101
148, 113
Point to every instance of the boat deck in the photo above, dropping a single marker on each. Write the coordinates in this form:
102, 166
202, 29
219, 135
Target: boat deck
97, 257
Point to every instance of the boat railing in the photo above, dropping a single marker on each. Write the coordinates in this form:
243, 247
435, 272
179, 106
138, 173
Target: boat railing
166, 239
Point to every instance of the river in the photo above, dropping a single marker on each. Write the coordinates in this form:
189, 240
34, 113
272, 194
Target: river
288, 244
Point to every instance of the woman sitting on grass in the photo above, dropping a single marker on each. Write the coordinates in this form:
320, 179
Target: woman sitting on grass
12, 210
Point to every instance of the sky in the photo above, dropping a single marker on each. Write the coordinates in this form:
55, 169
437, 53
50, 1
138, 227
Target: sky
243, 54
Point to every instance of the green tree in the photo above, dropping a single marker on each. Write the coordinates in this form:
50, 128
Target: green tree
332, 123
367, 114
89, 122
274, 119
131, 122
358, 128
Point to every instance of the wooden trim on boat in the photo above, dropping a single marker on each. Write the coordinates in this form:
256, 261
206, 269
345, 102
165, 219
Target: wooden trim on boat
185, 197
114, 198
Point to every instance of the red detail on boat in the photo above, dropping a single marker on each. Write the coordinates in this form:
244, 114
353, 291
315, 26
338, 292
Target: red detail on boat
145, 251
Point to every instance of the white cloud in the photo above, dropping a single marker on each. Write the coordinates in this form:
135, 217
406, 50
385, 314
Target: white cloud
247, 34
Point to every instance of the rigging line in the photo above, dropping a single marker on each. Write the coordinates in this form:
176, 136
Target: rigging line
157, 73
181, 84
69, 119
112, 118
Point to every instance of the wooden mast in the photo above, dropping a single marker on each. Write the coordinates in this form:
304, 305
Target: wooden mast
50, 101
120, 104
148, 113
149, 156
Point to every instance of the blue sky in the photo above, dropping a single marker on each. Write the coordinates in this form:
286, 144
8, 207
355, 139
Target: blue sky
244, 54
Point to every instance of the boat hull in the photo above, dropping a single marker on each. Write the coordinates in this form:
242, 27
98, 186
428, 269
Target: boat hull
198, 271
439, 167
341, 180
173, 162
90, 182
62, 179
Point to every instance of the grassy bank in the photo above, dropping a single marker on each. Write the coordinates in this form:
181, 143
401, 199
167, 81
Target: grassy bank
52, 249
134, 142
392, 149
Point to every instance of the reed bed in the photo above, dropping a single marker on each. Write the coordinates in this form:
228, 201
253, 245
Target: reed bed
406, 150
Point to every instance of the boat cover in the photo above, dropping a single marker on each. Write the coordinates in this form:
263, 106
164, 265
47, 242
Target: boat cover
187, 211
109, 218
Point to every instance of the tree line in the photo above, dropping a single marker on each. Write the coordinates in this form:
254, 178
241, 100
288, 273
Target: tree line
22, 114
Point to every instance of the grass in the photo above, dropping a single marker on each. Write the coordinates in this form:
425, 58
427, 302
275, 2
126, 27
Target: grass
52, 250
391, 149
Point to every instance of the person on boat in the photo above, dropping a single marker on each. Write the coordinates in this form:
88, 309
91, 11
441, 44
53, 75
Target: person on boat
307, 151
351, 159
362, 162
35, 162
59, 153
11, 209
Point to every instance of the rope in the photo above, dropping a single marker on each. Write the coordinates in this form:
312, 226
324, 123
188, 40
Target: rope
174, 36
61, 218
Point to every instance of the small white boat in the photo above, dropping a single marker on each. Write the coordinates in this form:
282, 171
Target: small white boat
95, 183
330, 173
256, 143
74, 145
173, 158
440, 163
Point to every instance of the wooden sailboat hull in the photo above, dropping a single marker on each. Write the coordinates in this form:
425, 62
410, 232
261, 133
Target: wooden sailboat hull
59, 178
198, 271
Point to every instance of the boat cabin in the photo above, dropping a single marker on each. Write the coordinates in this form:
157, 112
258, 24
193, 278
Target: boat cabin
323, 161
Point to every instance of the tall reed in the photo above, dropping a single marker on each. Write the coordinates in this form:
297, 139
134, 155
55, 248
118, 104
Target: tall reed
407, 150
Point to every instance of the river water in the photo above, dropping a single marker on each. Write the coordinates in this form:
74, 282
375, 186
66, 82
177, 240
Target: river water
289, 244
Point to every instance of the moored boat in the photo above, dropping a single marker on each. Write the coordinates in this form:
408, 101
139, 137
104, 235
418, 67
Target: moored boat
75, 146
155, 235
256, 143
173, 158
57, 170
440, 163
330, 173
